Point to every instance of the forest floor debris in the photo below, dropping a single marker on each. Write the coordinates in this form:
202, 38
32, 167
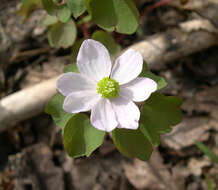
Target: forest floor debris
32, 154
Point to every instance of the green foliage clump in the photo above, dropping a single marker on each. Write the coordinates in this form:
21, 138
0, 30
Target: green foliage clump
111, 15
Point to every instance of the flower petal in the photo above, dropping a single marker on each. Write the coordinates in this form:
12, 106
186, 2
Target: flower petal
94, 60
81, 101
103, 116
127, 113
139, 89
73, 82
127, 67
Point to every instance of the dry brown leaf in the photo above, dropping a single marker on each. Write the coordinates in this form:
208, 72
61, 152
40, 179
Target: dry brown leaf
195, 166
97, 172
33, 168
205, 101
187, 132
152, 174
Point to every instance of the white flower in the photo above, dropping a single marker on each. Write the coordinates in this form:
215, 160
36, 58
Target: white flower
107, 91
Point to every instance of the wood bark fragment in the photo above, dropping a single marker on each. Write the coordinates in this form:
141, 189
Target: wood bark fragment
190, 37
156, 50
153, 174
25, 103
197, 128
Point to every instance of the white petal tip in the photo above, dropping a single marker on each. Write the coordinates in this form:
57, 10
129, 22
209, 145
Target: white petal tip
103, 128
103, 117
130, 127
127, 67
61, 84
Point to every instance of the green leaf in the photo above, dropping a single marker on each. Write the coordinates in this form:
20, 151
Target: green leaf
77, 7
50, 7
62, 34
49, 20
127, 15
158, 116
27, 7
107, 40
62, 12
71, 68
132, 143
54, 108
80, 137
207, 151
163, 111
59, 2
110, 14
102, 12
149, 131
161, 82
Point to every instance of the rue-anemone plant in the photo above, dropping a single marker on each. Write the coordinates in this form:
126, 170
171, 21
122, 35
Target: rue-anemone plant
95, 97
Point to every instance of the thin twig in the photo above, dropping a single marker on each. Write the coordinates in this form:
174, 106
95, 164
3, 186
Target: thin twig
156, 50
20, 56
84, 29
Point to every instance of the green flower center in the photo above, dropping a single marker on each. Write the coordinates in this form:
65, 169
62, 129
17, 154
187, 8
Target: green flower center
108, 88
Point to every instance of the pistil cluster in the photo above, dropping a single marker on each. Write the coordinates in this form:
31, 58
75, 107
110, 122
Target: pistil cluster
108, 88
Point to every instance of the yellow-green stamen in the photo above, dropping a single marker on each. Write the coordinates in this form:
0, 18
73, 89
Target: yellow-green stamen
108, 88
